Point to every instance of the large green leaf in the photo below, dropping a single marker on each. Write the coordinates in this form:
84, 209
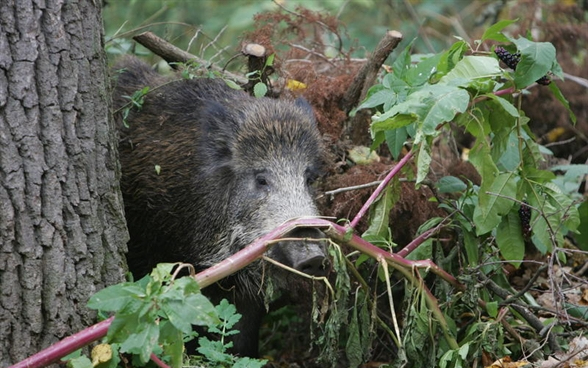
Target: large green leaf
494, 32
439, 104
473, 67
537, 59
509, 238
379, 228
115, 297
142, 341
395, 140
423, 161
495, 203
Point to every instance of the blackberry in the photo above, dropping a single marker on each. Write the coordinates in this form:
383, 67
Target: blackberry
525, 216
511, 60
544, 80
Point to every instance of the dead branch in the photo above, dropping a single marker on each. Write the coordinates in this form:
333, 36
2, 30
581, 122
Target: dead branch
173, 54
368, 73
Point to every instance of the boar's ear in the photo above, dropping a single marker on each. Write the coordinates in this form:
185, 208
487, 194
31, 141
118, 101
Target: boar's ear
304, 106
219, 129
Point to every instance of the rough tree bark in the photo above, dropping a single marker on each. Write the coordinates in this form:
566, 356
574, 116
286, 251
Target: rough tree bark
62, 229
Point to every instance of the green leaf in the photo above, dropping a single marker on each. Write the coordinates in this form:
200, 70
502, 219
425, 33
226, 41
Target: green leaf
232, 84
392, 121
395, 140
381, 97
506, 105
172, 340
560, 97
494, 32
142, 341
80, 362
379, 223
492, 309
582, 236
541, 237
508, 148
420, 74
473, 67
115, 297
451, 57
482, 160
249, 363
270, 60
401, 65
437, 104
509, 238
496, 203
537, 59
423, 161
353, 349
259, 89
450, 184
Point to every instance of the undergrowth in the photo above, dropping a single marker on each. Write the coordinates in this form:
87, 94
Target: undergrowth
456, 311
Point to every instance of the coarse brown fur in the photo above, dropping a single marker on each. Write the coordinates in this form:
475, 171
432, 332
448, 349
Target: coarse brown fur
206, 170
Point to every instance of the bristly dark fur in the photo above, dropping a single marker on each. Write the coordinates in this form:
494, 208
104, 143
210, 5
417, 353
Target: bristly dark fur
232, 167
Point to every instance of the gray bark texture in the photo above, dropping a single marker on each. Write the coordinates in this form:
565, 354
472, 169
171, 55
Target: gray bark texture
62, 229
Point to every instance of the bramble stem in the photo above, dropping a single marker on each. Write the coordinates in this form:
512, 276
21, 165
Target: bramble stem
379, 189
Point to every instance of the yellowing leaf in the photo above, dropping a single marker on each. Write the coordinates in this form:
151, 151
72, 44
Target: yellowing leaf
101, 353
294, 85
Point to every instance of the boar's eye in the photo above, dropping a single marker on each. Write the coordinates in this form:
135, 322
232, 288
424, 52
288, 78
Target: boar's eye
261, 180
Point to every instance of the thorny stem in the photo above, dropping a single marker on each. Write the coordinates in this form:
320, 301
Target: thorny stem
379, 189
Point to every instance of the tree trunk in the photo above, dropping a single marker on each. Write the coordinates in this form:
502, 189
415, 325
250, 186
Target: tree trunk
62, 229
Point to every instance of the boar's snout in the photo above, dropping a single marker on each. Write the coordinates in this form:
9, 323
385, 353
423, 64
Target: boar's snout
308, 255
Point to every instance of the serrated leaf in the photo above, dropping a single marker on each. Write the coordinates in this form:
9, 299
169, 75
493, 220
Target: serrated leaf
494, 32
172, 341
142, 341
249, 363
537, 59
509, 238
80, 362
450, 184
183, 311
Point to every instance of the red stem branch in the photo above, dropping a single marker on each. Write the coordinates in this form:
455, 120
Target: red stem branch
241, 259
379, 189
